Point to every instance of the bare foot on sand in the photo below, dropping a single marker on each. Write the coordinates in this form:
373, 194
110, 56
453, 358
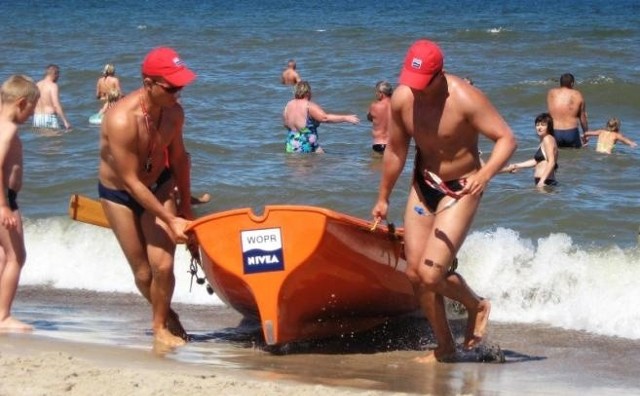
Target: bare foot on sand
13, 324
477, 324
437, 355
165, 338
175, 327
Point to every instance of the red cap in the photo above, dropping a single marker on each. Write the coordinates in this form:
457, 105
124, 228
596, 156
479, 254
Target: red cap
423, 61
164, 62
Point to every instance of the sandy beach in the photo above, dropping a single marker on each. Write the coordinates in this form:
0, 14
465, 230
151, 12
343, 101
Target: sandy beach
96, 343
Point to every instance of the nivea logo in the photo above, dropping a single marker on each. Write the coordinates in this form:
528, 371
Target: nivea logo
416, 63
262, 250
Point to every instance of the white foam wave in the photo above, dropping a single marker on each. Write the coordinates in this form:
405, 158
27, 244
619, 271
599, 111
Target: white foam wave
496, 30
550, 281
555, 282
70, 255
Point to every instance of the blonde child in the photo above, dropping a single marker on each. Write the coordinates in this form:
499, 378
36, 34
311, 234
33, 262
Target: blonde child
19, 97
607, 138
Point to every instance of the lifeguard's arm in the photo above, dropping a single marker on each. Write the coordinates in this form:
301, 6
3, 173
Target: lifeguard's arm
321, 116
179, 165
55, 101
395, 154
551, 151
7, 218
485, 118
123, 149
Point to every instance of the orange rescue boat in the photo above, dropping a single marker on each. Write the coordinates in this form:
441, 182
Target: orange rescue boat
305, 272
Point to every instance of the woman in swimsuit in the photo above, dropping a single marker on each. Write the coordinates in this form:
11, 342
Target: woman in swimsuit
545, 160
607, 138
108, 83
302, 117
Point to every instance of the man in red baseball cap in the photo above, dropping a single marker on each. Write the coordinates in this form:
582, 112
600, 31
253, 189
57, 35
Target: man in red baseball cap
424, 61
142, 159
164, 62
444, 115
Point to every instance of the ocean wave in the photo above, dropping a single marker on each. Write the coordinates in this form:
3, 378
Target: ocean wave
555, 282
551, 280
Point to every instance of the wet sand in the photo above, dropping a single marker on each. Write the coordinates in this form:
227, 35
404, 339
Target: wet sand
100, 343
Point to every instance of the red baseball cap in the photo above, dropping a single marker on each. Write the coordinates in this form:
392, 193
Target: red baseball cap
166, 63
423, 61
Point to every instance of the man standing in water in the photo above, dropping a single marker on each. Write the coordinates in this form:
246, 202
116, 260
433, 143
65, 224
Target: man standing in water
142, 158
379, 115
290, 76
444, 115
48, 108
567, 107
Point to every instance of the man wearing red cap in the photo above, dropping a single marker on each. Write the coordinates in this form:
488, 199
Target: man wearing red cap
445, 116
142, 158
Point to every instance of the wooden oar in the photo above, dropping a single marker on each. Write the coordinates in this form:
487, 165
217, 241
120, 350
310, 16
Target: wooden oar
87, 210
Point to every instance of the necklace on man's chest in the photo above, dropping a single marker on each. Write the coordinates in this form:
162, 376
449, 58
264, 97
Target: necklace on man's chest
148, 164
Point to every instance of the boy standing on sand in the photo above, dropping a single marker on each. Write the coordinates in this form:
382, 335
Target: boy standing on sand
19, 97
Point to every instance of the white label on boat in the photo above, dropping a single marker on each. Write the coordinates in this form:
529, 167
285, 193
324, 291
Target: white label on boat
262, 250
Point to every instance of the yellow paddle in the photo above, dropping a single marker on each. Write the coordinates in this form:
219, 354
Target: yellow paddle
87, 210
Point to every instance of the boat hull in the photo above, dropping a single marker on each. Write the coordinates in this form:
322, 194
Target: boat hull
304, 272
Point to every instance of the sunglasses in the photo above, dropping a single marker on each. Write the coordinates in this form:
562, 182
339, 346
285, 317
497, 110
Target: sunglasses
167, 88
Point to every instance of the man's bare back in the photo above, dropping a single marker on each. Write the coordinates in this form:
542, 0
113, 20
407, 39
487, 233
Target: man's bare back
565, 106
380, 114
290, 76
47, 91
49, 102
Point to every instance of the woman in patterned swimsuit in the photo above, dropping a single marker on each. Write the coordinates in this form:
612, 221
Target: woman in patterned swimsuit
302, 117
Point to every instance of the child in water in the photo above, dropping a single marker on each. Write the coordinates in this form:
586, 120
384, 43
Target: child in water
607, 138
